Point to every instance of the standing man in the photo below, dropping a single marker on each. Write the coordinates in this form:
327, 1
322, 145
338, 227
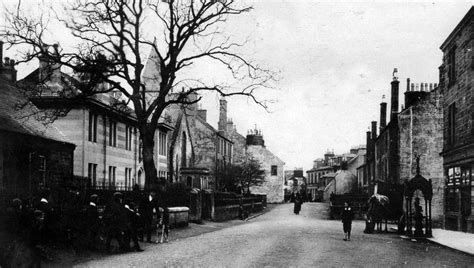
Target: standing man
93, 222
148, 208
347, 216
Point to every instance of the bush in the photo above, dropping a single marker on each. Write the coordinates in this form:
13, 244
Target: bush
176, 195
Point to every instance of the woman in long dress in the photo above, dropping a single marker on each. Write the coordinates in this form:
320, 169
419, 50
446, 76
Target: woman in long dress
297, 205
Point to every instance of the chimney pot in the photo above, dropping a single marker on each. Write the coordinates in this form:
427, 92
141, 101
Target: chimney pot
426, 87
412, 87
408, 84
421, 87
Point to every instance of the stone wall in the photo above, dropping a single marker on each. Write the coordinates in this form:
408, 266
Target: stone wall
421, 133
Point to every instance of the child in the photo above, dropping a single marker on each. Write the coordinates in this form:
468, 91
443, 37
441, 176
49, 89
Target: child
165, 222
347, 216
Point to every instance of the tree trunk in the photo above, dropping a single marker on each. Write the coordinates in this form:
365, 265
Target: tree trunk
148, 139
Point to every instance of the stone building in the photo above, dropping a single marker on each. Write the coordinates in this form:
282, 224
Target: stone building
366, 171
386, 145
104, 130
421, 134
273, 166
33, 156
199, 152
456, 83
323, 171
253, 144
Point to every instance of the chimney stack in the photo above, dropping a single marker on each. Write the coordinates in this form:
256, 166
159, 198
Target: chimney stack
374, 130
394, 103
222, 124
7, 67
1, 54
383, 115
369, 138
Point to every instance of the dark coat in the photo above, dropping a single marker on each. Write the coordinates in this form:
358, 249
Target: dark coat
92, 215
347, 215
146, 208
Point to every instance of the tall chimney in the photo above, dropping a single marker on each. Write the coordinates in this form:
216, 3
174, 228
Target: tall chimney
374, 130
1, 54
369, 138
383, 115
408, 84
394, 104
222, 124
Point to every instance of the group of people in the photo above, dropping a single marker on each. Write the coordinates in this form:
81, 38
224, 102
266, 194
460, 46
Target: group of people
127, 220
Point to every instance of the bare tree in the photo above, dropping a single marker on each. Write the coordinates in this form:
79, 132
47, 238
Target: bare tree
113, 45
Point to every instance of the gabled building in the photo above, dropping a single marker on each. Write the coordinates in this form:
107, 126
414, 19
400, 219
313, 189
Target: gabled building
33, 156
104, 130
199, 151
457, 88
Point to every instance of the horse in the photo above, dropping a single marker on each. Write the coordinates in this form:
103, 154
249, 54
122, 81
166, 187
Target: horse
378, 212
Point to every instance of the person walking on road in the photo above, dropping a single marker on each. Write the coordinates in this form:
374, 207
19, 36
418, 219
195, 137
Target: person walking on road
347, 217
298, 200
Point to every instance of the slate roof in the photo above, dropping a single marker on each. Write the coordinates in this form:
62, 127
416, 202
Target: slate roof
23, 120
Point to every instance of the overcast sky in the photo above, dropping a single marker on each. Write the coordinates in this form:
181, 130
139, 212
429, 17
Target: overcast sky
336, 61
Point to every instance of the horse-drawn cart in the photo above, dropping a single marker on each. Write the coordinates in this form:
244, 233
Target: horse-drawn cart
385, 207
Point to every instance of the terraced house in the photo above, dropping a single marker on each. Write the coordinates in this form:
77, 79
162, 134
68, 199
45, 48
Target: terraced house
456, 82
104, 130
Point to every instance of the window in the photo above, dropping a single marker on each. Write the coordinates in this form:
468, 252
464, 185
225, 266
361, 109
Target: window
451, 60
112, 176
274, 170
128, 138
42, 169
451, 131
458, 189
112, 133
128, 178
92, 174
92, 127
162, 144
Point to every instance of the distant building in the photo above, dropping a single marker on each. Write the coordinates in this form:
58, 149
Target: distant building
323, 171
456, 83
296, 183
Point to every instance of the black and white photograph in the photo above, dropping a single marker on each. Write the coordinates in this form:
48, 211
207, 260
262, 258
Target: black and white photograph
236, 133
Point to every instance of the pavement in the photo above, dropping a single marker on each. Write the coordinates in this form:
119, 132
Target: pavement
279, 238
463, 242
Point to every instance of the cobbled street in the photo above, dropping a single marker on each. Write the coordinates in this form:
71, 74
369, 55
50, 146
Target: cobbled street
280, 238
